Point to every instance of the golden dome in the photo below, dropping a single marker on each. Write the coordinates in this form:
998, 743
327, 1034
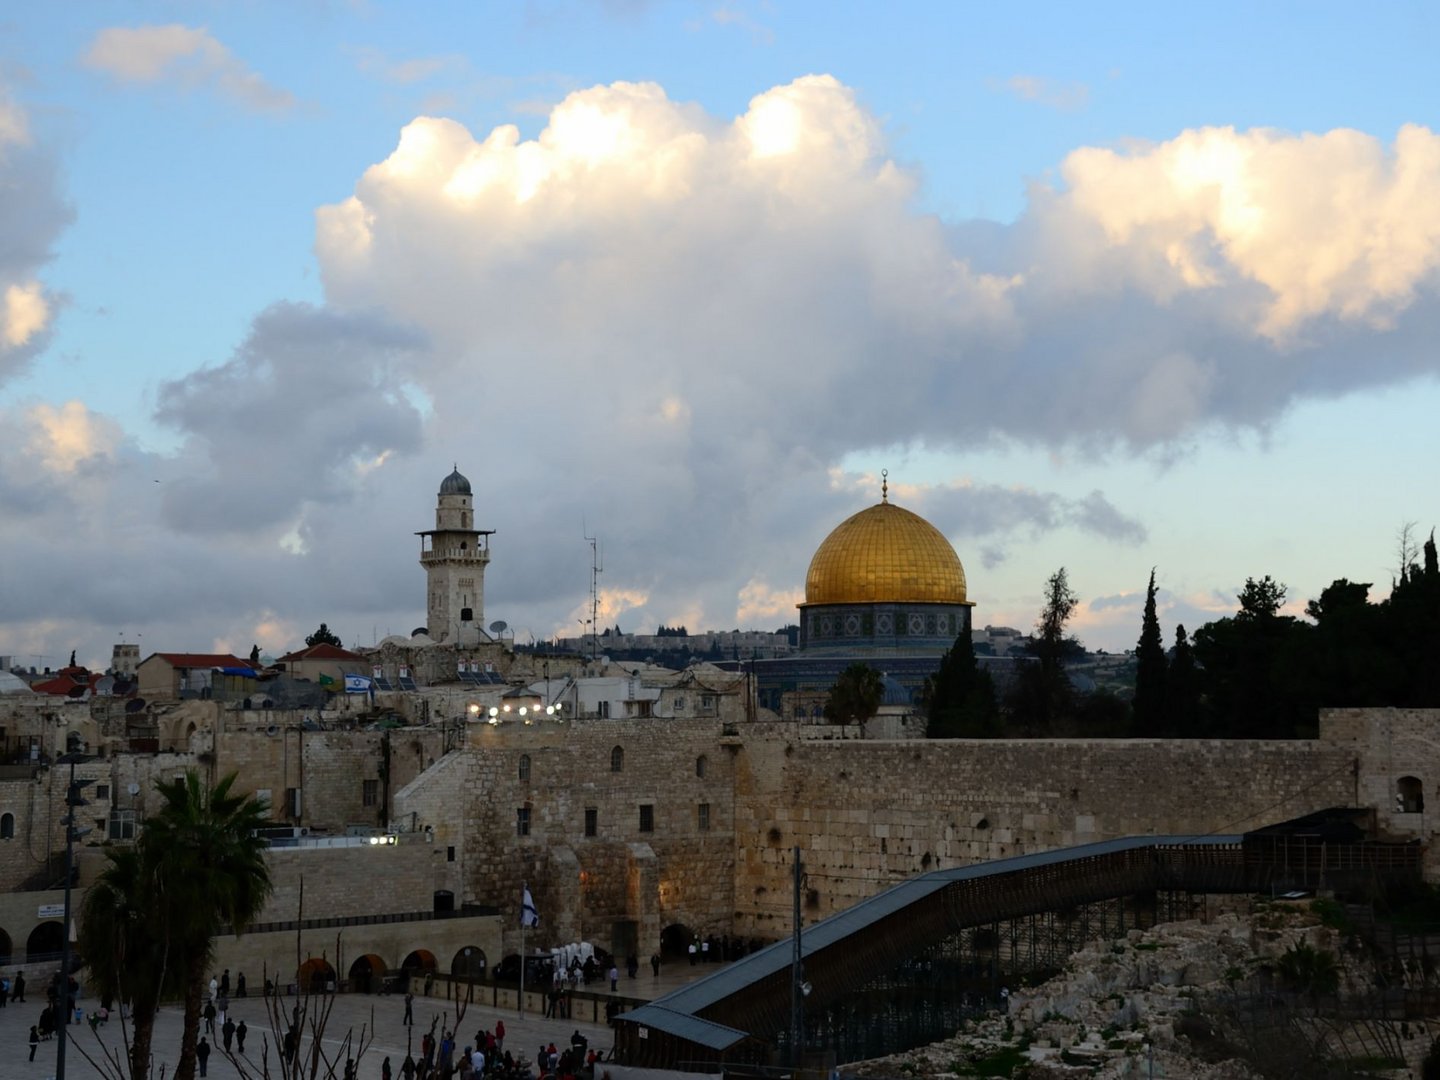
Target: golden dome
885, 554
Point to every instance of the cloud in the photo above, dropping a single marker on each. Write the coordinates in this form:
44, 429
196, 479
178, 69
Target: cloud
310, 405
1329, 224
33, 213
668, 328
1068, 97
376, 62
186, 56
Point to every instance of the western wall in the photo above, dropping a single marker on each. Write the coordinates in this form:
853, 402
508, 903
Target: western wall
865, 813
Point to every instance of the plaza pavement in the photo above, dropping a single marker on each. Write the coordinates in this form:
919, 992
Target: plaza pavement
351, 1011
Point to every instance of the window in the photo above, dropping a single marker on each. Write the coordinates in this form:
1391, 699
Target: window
262, 796
679, 704
522, 821
617, 759
707, 702
102, 791
702, 763
7, 826
702, 817
647, 817
450, 853
592, 821
1409, 795
525, 768
122, 825
369, 792
292, 802
602, 710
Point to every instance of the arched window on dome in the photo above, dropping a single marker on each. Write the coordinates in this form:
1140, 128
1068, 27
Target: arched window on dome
1409, 795
617, 759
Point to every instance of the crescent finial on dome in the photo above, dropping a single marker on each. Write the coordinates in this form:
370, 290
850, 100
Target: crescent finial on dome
884, 485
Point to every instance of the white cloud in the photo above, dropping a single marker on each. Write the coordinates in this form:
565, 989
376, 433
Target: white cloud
65, 438
1332, 225
373, 61
184, 55
1066, 97
24, 314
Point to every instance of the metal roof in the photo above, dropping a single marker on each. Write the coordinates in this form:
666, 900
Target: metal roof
682, 1025
749, 970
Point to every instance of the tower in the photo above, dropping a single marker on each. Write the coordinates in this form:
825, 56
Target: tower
454, 555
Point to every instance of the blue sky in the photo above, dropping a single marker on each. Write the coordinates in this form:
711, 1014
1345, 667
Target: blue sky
1108, 287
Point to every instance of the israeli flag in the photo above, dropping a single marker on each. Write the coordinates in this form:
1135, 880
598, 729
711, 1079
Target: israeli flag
357, 684
529, 916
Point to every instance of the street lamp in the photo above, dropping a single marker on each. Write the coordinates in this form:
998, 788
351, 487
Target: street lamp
73, 802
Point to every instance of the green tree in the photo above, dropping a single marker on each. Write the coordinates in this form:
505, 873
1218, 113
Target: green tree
1182, 688
127, 959
960, 696
1309, 970
856, 695
208, 872
1041, 698
324, 636
1258, 677
1150, 664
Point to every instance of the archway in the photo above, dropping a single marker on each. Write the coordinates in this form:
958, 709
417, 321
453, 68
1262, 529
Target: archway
316, 976
675, 941
420, 962
46, 942
5, 949
366, 974
469, 964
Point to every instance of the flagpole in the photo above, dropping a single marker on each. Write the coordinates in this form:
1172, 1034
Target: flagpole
523, 921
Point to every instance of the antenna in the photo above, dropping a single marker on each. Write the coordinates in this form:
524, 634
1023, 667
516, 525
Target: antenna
596, 569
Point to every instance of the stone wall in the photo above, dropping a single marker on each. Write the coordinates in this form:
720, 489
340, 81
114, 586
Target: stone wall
868, 814
620, 886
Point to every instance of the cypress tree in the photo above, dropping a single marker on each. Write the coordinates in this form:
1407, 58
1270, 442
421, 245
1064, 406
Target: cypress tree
960, 697
1182, 689
1150, 667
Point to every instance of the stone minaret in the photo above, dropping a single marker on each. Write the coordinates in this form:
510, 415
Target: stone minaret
454, 555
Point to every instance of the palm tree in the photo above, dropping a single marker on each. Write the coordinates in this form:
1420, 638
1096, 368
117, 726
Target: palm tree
126, 959
208, 873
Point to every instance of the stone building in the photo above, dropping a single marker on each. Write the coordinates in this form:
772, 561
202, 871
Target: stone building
454, 555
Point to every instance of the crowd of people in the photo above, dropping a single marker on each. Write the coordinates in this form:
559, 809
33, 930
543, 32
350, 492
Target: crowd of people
487, 1058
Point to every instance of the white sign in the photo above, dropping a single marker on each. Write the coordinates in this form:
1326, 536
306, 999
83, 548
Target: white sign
644, 1031
51, 911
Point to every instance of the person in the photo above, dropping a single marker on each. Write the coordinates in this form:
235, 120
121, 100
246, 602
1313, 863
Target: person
705, 950
409, 1005
209, 1018
227, 1032
240, 1032
225, 983
240, 984
632, 965
4, 990
499, 1034
614, 977
477, 1062
34, 1040
19, 988
350, 1069
407, 1068
578, 1041
222, 1006
655, 964
692, 950
385, 1068
202, 1054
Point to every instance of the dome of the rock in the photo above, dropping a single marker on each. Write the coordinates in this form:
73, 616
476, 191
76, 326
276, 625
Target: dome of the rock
885, 554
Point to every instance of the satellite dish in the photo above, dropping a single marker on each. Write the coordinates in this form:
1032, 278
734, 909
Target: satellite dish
135, 705
133, 789
499, 626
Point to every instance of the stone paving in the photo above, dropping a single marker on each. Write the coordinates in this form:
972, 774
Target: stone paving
350, 1012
